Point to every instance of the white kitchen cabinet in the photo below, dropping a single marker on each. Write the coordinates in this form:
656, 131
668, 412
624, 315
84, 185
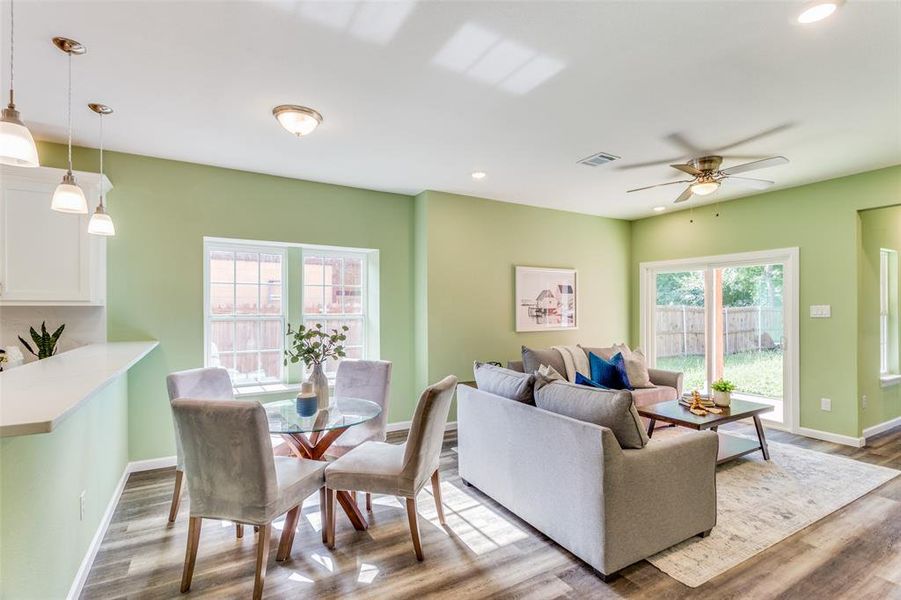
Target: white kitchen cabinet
46, 257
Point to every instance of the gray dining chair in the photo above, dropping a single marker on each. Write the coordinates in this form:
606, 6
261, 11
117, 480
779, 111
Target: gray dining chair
233, 475
398, 470
209, 384
367, 380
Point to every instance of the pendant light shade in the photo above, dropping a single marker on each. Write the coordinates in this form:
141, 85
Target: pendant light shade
68, 196
17, 147
101, 223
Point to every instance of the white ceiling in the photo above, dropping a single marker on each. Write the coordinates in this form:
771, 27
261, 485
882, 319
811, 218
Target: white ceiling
418, 95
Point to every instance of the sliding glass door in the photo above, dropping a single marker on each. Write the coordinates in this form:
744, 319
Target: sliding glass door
725, 317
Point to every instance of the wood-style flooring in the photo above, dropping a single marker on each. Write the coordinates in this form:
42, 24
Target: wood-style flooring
487, 552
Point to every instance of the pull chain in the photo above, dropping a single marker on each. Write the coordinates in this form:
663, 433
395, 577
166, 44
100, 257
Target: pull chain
12, 53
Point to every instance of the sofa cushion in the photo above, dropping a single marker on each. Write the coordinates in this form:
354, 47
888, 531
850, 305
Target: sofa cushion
607, 408
604, 352
609, 373
504, 382
532, 358
653, 395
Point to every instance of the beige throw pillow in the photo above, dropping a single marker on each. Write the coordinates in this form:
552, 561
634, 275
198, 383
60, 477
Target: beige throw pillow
636, 366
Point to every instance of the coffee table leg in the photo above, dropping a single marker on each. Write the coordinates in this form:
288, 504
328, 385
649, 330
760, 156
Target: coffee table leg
651, 423
761, 437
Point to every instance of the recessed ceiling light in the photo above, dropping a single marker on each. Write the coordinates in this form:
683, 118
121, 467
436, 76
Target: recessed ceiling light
298, 120
818, 10
479, 174
659, 208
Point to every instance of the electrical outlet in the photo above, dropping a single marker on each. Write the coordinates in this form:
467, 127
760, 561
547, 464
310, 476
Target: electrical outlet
81, 505
825, 404
864, 401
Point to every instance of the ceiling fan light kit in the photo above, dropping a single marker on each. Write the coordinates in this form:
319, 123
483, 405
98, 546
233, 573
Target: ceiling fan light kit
68, 196
17, 147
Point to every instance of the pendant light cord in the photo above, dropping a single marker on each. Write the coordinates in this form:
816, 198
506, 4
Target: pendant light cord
101, 159
12, 53
69, 115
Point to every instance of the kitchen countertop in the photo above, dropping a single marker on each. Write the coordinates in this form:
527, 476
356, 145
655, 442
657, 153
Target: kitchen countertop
36, 397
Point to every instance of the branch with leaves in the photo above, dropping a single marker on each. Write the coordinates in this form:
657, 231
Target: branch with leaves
315, 345
45, 342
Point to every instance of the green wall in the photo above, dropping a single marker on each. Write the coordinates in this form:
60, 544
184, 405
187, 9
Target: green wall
466, 251
879, 228
822, 220
42, 538
163, 209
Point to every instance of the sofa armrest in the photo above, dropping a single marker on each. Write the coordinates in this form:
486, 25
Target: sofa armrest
664, 494
671, 379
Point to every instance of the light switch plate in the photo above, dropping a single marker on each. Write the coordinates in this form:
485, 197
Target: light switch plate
820, 311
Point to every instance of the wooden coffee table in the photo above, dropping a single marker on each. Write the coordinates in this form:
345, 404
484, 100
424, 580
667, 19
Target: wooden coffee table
730, 446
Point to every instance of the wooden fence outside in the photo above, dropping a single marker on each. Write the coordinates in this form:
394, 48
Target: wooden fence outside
680, 329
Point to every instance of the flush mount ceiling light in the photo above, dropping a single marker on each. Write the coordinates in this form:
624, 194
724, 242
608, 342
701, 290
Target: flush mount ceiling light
68, 196
298, 120
479, 175
101, 223
818, 10
17, 147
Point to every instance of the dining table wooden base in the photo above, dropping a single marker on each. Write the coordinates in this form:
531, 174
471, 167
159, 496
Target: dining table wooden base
314, 449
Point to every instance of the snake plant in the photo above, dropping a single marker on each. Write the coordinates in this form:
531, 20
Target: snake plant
45, 342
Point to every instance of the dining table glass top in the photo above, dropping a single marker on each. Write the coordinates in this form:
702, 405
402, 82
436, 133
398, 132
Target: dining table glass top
344, 412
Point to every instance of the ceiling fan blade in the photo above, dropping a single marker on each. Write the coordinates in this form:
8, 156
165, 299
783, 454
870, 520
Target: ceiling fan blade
657, 185
757, 184
757, 164
687, 169
683, 196
755, 137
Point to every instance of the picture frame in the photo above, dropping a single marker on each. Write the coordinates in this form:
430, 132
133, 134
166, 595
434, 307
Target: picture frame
546, 299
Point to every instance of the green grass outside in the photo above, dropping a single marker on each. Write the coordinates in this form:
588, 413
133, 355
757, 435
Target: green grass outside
752, 372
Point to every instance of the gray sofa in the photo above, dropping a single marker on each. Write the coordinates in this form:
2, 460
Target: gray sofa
572, 481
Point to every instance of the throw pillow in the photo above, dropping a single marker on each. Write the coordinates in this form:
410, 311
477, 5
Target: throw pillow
533, 358
636, 366
504, 382
609, 373
607, 408
582, 380
546, 374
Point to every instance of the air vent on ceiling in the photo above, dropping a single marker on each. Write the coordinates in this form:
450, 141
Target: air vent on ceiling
598, 159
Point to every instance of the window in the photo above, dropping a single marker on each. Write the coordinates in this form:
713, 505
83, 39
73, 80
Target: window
244, 311
334, 295
888, 272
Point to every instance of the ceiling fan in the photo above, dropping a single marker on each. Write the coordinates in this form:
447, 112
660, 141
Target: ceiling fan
707, 175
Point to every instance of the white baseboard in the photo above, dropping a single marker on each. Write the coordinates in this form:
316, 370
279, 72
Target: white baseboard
882, 427
835, 438
405, 425
151, 463
82, 574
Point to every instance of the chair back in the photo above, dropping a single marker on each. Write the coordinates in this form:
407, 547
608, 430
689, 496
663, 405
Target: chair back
210, 383
423, 446
367, 380
228, 458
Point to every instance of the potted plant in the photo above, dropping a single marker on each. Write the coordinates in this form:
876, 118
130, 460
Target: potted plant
45, 342
722, 392
313, 346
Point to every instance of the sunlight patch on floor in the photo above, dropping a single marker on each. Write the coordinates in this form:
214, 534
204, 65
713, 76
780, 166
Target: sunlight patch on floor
367, 573
299, 578
325, 561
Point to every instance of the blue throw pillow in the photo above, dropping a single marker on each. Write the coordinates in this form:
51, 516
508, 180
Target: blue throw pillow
582, 380
607, 373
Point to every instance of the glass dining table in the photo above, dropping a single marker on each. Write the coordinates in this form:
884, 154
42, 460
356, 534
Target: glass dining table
310, 437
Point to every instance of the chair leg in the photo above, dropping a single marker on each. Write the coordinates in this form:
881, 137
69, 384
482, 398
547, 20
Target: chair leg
176, 495
330, 517
414, 527
369, 501
239, 531
323, 515
190, 553
287, 539
262, 559
436, 492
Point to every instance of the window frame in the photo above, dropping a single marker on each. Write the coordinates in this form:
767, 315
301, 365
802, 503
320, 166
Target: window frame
887, 312
236, 246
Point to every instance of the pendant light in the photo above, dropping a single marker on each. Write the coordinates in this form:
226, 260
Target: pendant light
101, 223
69, 197
16, 144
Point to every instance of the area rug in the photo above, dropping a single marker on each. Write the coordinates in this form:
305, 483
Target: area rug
761, 503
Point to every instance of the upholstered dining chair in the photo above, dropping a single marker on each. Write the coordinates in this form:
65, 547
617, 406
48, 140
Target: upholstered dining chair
398, 470
233, 475
367, 380
208, 384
